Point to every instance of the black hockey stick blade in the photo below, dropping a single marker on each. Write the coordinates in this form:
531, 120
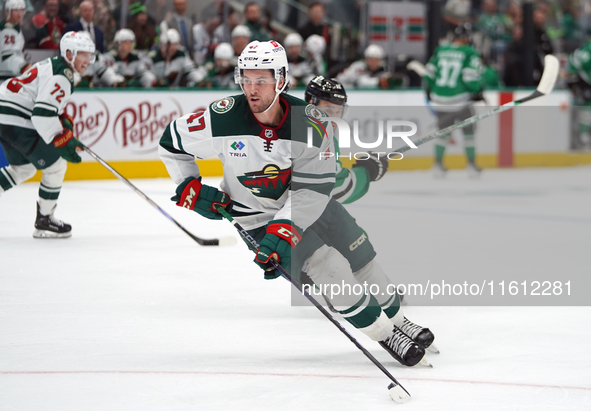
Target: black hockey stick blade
201, 241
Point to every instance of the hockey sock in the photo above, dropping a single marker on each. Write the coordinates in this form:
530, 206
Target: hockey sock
51, 184
440, 148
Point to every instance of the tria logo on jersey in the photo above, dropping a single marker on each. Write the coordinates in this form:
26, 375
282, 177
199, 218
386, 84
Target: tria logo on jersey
271, 182
238, 149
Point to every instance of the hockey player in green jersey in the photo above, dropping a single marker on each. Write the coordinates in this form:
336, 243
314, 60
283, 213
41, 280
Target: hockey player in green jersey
579, 81
453, 82
36, 134
277, 185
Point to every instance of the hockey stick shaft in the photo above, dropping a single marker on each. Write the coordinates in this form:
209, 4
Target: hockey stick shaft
201, 241
546, 85
287, 276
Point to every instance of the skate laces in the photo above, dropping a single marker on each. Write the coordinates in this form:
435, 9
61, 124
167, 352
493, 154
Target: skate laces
399, 342
410, 329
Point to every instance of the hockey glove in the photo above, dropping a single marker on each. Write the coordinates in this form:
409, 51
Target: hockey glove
66, 144
281, 237
201, 198
67, 121
376, 165
478, 96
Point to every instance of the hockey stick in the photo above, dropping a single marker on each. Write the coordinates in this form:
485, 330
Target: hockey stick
201, 241
397, 392
546, 85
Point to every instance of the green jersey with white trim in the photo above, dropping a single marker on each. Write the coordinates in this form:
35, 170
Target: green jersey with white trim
351, 183
453, 75
36, 98
580, 62
269, 172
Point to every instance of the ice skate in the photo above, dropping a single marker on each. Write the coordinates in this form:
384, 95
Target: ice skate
47, 226
439, 170
473, 170
404, 349
421, 335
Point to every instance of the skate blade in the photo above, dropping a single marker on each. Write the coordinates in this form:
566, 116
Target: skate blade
432, 349
50, 234
424, 363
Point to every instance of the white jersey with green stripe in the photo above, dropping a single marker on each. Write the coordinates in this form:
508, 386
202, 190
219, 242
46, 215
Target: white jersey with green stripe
12, 43
453, 76
36, 98
270, 173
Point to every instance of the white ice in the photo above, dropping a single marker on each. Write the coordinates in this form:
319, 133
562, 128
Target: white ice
131, 314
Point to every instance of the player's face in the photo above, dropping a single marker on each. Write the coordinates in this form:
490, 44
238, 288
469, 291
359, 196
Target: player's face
373, 63
16, 16
82, 61
259, 89
125, 47
332, 109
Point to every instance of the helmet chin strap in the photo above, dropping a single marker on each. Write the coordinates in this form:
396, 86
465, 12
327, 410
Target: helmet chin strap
277, 92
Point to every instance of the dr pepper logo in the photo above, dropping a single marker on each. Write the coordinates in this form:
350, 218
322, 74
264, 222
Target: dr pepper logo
138, 128
91, 118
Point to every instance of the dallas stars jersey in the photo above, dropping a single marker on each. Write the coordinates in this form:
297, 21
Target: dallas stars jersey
36, 98
580, 62
453, 76
12, 43
269, 172
132, 68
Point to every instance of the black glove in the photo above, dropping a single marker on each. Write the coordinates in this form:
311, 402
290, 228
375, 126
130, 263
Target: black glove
376, 165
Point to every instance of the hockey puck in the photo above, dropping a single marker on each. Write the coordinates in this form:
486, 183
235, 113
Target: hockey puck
398, 394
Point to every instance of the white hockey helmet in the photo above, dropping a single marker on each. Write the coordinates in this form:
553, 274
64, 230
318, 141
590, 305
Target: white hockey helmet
14, 5
315, 44
373, 50
268, 55
293, 39
76, 41
171, 36
124, 35
223, 51
241, 31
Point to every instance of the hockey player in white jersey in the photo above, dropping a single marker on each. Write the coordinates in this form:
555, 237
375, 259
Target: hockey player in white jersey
171, 63
126, 62
12, 41
367, 73
36, 134
277, 185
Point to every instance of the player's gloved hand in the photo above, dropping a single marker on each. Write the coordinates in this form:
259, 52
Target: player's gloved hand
67, 121
281, 237
376, 165
201, 198
66, 144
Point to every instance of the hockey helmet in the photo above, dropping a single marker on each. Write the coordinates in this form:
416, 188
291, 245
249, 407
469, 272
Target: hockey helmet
223, 51
76, 41
315, 44
293, 39
268, 55
171, 36
321, 88
374, 51
124, 35
462, 32
14, 5
241, 31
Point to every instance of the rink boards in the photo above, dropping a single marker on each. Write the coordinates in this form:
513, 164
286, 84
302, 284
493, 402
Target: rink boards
124, 128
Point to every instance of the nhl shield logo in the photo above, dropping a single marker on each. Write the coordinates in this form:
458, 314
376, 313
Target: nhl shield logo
268, 133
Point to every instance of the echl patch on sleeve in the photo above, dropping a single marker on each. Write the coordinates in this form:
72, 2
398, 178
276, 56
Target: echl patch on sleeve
223, 106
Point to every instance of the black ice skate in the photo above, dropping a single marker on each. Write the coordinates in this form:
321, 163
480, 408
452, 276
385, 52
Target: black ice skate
404, 349
423, 336
47, 226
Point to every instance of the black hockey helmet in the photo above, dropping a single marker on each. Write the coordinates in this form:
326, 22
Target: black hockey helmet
320, 88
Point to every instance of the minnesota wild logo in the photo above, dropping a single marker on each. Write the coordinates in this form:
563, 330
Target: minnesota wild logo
271, 182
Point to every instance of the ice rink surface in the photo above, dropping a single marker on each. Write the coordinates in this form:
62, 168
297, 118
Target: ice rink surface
131, 314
